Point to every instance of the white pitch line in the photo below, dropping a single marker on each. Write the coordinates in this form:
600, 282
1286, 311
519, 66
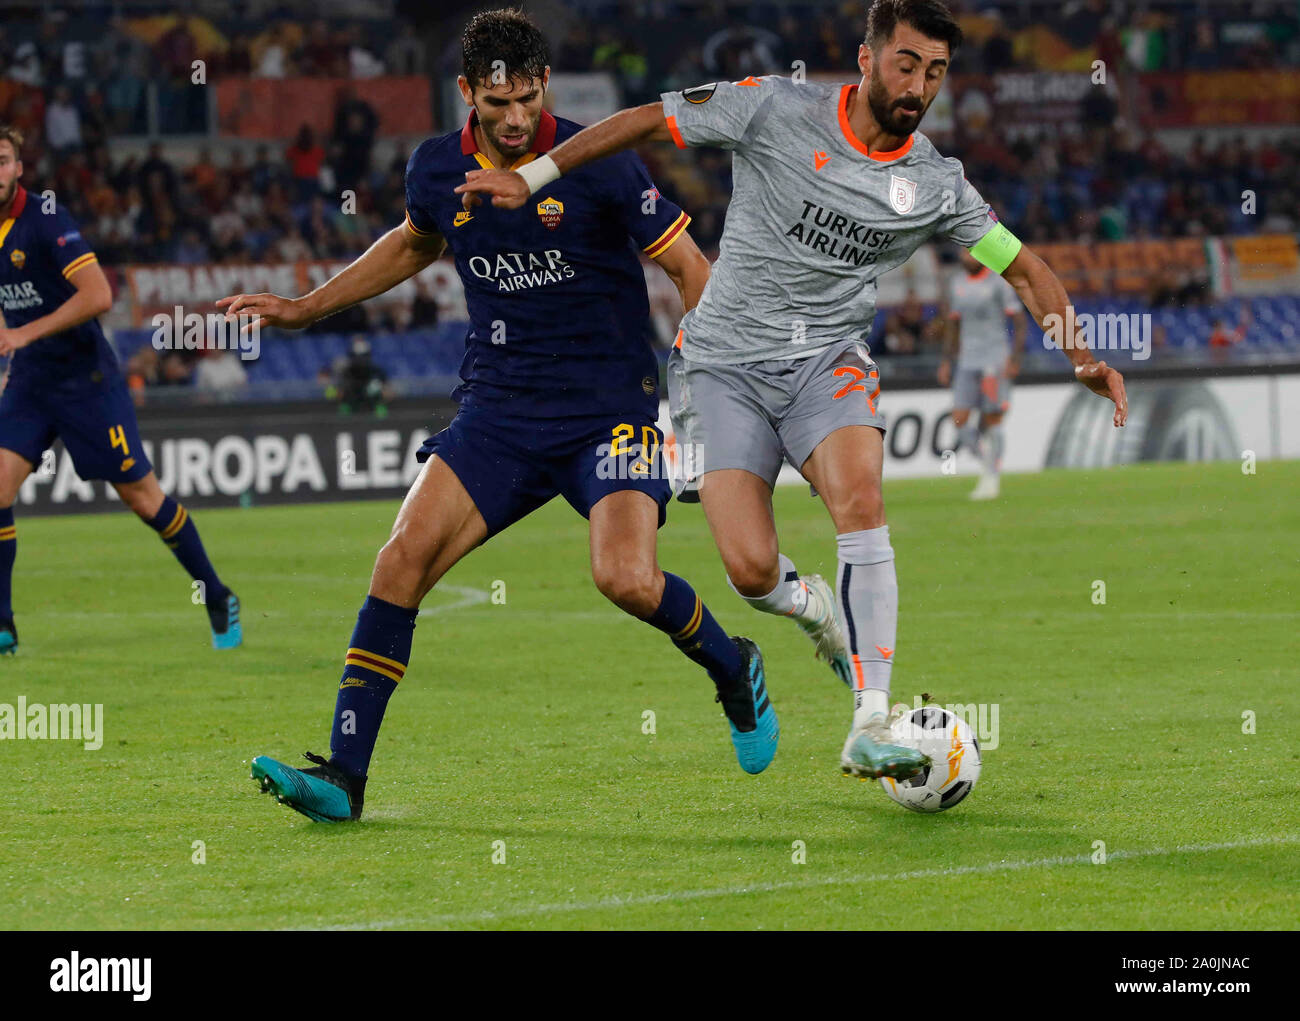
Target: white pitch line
637, 900
468, 597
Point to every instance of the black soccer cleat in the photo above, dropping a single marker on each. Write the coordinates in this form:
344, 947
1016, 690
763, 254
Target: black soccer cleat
223, 616
750, 715
8, 636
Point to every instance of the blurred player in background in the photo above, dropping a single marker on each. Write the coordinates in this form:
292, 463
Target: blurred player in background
833, 186
977, 307
559, 399
64, 382
361, 383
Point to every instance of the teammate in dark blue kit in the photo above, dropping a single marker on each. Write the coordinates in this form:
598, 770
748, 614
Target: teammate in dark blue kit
64, 382
559, 398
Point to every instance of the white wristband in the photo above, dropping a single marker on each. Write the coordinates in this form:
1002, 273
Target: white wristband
539, 173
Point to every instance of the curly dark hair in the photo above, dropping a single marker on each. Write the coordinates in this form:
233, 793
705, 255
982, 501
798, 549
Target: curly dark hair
506, 35
929, 17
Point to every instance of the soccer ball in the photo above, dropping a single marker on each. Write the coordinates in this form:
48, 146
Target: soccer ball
955, 759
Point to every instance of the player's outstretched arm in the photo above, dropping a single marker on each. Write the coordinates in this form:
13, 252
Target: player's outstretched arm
624, 130
94, 297
396, 256
1044, 295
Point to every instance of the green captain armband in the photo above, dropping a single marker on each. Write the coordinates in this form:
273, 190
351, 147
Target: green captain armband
997, 249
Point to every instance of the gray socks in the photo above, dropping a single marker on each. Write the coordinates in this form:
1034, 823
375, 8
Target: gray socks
788, 599
867, 590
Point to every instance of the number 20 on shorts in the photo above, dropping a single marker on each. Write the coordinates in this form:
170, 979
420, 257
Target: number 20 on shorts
623, 433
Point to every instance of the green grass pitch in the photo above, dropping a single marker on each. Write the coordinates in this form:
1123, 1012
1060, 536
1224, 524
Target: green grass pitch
522, 723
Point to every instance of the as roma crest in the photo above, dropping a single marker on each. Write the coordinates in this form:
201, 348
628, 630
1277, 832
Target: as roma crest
902, 193
18, 257
551, 211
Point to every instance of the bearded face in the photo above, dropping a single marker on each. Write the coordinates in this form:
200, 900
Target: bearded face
899, 116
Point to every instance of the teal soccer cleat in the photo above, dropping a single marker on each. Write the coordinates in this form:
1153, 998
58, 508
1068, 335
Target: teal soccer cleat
750, 714
323, 793
224, 618
8, 637
871, 750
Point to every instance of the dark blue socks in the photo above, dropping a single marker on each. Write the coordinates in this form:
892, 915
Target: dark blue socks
683, 616
376, 661
8, 551
173, 524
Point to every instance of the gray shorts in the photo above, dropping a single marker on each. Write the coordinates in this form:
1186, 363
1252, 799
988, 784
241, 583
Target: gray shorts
987, 391
755, 415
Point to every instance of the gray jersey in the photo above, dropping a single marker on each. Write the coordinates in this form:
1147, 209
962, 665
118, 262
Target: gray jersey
981, 304
814, 219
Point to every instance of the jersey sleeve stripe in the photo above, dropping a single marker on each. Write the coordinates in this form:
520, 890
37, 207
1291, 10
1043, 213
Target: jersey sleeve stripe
677, 135
416, 230
666, 239
78, 263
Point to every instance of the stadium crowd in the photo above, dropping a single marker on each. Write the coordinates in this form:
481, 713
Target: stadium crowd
73, 93
70, 98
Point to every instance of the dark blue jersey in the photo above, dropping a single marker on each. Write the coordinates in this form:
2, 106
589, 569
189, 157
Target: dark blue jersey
39, 253
559, 317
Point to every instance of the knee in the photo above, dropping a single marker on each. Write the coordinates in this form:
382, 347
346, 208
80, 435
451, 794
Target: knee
405, 550
861, 508
403, 569
9, 487
752, 574
635, 589
138, 499
960, 418
13, 470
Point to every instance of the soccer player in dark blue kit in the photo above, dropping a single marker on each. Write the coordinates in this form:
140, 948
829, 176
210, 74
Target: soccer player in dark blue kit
64, 382
559, 398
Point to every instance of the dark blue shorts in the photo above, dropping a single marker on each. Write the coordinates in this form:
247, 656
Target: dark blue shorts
95, 421
510, 467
